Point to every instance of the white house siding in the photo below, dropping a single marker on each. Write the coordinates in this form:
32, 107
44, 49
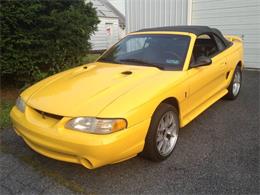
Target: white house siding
236, 17
119, 4
102, 39
154, 13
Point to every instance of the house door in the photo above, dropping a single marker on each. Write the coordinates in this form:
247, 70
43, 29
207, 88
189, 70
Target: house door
109, 31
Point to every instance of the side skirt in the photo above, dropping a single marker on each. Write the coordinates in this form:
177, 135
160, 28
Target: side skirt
193, 114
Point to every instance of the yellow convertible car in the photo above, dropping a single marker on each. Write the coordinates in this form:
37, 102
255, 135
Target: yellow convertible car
133, 99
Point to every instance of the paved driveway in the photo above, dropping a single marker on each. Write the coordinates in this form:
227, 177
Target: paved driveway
216, 153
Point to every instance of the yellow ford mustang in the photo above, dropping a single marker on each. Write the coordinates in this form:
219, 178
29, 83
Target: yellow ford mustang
133, 99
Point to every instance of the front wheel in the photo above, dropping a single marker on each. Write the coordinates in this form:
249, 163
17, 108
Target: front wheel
162, 134
235, 85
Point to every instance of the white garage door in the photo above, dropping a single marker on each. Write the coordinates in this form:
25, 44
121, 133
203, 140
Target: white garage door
234, 17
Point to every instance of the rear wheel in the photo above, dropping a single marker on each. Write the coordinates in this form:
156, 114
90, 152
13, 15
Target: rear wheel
235, 85
162, 134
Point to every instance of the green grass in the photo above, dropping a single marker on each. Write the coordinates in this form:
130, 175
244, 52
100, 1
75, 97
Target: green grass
89, 58
5, 109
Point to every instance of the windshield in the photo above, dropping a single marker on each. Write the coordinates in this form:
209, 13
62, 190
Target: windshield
164, 51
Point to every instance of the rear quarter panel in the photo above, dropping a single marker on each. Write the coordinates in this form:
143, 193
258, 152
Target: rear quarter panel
236, 51
234, 55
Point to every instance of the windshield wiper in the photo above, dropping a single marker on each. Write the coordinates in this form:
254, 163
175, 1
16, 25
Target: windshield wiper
141, 62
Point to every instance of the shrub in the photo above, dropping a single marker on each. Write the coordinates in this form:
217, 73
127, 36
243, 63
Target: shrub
39, 38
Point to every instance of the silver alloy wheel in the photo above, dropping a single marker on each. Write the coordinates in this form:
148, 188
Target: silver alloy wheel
167, 134
236, 83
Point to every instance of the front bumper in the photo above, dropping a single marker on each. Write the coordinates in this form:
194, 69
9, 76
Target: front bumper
49, 137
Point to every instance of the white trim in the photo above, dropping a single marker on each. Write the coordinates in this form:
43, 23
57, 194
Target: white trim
176, 13
189, 12
252, 69
126, 17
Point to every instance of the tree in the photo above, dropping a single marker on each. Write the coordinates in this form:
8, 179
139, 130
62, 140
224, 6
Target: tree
43, 36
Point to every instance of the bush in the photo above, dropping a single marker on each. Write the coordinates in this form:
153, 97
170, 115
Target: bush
39, 38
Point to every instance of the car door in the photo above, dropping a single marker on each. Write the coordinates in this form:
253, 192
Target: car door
205, 81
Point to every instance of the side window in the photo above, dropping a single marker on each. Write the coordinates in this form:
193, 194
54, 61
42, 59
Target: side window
219, 42
204, 46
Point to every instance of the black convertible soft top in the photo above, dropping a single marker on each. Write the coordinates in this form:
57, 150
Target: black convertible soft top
197, 30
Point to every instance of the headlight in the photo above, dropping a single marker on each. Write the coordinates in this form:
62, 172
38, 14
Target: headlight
96, 125
20, 104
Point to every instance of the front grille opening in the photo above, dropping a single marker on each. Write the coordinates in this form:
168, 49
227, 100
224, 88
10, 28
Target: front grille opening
49, 115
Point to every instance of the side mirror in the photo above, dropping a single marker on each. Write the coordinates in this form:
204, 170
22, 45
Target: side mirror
201, 61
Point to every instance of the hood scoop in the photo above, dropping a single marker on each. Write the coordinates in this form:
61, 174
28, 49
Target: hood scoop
127, 72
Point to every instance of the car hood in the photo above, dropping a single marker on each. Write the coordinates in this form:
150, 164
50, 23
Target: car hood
87, 91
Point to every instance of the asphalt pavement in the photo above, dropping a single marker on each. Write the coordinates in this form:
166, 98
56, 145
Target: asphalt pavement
217, 153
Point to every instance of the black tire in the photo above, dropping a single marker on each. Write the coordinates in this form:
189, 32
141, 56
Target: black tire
231, 95
151, 151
